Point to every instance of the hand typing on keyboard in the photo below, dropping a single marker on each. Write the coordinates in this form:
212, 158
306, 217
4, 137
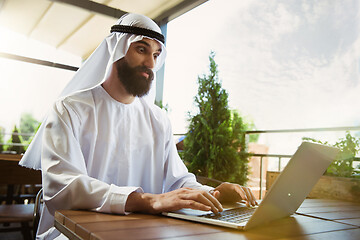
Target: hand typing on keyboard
229, 192
189, 198
234, 215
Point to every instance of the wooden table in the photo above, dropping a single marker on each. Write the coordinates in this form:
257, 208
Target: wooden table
315, 219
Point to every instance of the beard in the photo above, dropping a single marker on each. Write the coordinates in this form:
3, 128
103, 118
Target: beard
132, 79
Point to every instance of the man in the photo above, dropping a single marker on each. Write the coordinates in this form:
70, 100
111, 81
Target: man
105, 147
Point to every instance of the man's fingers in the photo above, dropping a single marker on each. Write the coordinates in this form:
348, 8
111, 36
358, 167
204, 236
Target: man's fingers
206, 199
229, 192
184, 198
195, 205
241, 192
251, 197
216, 194
214, 201
246, 195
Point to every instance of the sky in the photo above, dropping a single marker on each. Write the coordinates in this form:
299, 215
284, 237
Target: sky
285, 64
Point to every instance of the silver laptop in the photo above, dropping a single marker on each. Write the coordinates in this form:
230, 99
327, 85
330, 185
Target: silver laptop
287, 193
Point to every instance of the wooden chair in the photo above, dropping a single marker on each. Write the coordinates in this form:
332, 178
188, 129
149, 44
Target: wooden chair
12, 174
208, 181
37, 210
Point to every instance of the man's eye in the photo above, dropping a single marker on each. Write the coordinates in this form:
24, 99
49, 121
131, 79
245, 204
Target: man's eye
141, 49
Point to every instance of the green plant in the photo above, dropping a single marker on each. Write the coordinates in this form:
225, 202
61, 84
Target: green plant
343, 164
1, 139
162, 106
17, 140
247, 124
28, 124
215, 133
32, 137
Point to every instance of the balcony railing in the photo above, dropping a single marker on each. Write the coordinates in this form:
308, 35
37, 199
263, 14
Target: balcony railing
16, 134
261, 156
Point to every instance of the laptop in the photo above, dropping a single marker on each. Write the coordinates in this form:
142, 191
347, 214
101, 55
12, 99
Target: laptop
289, 190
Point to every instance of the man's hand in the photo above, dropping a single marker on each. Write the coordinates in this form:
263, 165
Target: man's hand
229, 192
172, 201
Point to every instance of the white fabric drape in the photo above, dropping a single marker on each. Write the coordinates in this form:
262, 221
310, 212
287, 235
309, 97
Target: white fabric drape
95, 70
97, 151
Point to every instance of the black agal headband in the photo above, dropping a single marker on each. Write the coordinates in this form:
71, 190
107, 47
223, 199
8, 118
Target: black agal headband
138, 31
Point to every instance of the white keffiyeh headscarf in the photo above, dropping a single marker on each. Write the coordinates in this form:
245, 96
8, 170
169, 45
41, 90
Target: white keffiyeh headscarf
128, 29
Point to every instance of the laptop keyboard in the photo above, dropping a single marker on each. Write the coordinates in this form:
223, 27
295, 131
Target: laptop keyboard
235, 215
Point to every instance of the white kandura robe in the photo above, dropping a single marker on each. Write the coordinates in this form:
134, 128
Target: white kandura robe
96, 151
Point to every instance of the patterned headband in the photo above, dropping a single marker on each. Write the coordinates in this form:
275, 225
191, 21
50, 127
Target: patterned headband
138, 31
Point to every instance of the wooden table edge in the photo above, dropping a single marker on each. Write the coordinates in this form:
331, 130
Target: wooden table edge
66, 231
10, 157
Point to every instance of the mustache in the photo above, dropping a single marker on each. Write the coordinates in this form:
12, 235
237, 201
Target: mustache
146, 70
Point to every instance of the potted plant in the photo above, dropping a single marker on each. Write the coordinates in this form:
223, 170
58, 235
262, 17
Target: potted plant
341, 179
214, 137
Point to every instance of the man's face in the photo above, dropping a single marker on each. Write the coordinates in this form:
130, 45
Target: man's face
135, 68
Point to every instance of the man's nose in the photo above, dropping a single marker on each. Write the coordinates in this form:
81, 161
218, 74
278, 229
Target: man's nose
150, 61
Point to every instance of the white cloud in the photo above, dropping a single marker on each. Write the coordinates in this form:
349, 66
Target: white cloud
285, 64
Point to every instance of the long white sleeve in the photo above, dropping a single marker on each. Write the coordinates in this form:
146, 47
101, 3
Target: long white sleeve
66, 182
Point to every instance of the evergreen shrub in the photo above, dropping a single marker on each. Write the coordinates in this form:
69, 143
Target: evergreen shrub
214, 146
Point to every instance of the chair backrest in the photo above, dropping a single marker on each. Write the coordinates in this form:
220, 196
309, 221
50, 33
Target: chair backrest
37, 210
